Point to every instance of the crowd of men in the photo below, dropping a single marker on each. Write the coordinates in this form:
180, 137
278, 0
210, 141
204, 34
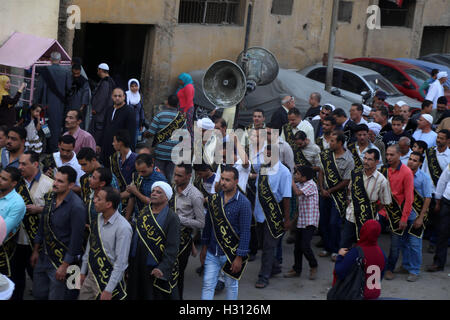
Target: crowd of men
129, 219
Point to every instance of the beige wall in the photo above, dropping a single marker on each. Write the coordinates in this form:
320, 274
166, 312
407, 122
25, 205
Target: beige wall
39, 18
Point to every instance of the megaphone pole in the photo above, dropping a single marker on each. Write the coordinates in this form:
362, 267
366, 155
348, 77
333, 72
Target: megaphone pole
244, 66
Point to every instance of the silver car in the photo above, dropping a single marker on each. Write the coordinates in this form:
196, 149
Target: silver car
355, 82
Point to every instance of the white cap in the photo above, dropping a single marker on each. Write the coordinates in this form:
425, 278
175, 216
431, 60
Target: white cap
442, 74
6, 287
375, 127
206, 124
401, 103
103, 66
428, 117
367, 110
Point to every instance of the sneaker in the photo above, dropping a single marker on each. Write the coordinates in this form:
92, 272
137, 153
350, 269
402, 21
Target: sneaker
291, 274
389, 275
334, 257
220, 286
313, 273
412, 277
401, 270
324, 253
434, 268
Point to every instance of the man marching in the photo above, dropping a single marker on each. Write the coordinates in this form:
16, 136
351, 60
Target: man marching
226, 236
366, 186
107, 250
153, 271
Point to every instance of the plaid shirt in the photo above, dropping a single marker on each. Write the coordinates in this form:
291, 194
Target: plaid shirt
308, 205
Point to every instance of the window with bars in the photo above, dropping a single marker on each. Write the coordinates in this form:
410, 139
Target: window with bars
282, 7
209, 11
345, 11
394, 15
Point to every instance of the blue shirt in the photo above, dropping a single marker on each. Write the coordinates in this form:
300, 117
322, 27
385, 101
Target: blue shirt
281, 185
424, 186
239, 213
5, 160
127, 167
429, 138
12, 210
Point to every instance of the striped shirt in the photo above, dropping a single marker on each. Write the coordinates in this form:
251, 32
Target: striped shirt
159, 122
377, 188
308, 205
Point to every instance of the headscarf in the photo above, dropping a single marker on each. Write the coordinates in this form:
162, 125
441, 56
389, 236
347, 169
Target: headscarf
186, 78
133, 98
369, 233
3, 92
165, 187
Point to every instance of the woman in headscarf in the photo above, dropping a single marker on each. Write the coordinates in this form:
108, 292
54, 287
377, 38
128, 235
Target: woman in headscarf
373, 256
134, 100
7, 104
185, 94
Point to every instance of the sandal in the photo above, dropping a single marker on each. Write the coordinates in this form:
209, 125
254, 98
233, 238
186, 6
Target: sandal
261, 284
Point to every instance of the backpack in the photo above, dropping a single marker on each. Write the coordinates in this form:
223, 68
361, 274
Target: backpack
352, 286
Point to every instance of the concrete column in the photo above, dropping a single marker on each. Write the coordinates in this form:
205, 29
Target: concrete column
417, 29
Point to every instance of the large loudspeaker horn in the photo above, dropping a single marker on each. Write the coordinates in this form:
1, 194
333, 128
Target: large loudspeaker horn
224, 84
261, 66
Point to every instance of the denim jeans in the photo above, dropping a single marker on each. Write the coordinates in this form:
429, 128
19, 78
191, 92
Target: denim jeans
330, 224
45, 285
213, 265
410, 247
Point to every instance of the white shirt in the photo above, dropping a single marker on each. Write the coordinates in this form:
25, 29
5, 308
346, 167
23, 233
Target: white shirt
429, 137
362, 121
363, 152
443, 186
72, 163
404, 159
435, 91
304, 126
243, 174
443, 159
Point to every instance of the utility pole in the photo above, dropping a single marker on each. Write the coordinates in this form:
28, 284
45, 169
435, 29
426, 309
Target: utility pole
331, 46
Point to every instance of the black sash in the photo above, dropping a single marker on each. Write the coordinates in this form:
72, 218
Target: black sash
7, 250
394, 211
48, 163
356, 157
115, 169
417, 206
30, 222
154, 239
185, 232
226, 237
85, 189
332, 178
362, 207
299, 158
100, 266
250, 192
137, 180
54, 248
199, 185
289, 134
319, 142
270, 206
166, 133
433, 165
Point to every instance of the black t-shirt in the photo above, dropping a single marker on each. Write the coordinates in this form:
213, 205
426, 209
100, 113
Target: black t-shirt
390, 138
312, 112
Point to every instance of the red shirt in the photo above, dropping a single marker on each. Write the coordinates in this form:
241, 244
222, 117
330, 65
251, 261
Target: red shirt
186, 97
401, 181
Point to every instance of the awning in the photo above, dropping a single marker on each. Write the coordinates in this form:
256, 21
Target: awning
23, 50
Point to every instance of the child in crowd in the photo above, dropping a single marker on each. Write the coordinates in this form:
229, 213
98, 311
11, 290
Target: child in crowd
35, 136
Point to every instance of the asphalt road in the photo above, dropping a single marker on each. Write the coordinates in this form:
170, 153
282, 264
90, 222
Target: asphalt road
430, 286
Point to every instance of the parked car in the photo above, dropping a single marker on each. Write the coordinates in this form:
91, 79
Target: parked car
406, 77
439, 58
355, 82
427, 67
267, 97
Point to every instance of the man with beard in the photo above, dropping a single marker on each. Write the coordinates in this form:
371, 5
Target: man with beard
80, 93
120, 117
15, 146
328, 126
60, 234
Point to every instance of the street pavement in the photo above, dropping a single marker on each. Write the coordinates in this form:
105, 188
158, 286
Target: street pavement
430, 286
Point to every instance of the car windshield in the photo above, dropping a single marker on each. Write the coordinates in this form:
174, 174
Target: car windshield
378, 82
418, 76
